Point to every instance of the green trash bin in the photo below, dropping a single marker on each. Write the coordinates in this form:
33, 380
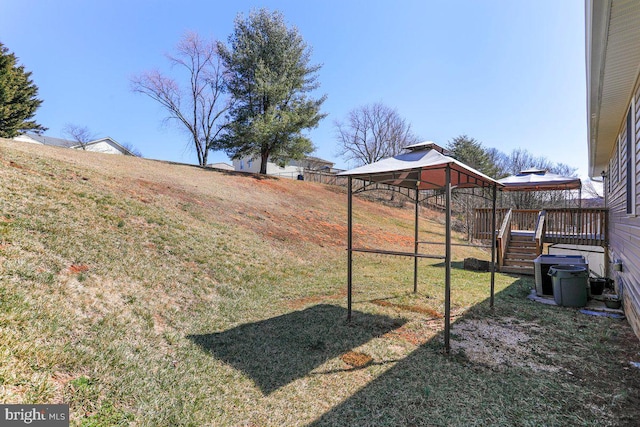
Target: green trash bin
569, 285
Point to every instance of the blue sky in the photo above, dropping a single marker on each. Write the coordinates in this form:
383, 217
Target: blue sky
510, 73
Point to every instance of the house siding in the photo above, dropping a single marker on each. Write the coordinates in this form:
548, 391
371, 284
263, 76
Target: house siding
624, 228
252, 165
103, 147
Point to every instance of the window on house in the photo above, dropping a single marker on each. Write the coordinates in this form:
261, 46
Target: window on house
249, 163
621, 160
616, 162
631, 164
241, 164
613, 165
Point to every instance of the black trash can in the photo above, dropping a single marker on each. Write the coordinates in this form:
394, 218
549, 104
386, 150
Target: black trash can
569, 285
597, 284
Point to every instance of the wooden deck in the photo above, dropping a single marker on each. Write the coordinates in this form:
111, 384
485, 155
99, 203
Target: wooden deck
575, 226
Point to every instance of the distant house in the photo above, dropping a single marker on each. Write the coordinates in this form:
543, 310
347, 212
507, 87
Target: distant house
100, 145
221, 166
291, 170
613, 104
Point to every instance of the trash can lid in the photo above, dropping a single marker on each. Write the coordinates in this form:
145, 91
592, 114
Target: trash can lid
567, 270
568, 267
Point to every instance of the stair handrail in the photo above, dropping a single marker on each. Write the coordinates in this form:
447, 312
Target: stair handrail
541, 226
504, 235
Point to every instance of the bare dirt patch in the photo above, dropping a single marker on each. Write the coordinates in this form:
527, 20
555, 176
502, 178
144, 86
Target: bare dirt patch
495, 344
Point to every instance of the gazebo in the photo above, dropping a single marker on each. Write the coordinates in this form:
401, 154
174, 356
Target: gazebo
534, 179
424, 167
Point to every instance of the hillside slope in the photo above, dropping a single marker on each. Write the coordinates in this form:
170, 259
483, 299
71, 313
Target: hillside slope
111, 265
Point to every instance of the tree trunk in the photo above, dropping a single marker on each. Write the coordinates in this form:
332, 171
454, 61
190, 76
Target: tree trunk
264, 158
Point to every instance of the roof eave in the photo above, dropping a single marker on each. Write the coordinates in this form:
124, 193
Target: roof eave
612, 60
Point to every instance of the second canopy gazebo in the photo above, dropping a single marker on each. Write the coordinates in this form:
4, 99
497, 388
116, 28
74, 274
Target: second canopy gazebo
540, 180
424, 167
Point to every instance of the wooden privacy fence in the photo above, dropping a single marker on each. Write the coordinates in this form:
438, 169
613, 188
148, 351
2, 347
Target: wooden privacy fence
324, 178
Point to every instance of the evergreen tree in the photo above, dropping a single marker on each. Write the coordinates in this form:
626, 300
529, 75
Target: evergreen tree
269, 77
18, 102
471, 152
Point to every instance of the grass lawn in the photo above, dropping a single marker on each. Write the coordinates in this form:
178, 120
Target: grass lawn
149, 294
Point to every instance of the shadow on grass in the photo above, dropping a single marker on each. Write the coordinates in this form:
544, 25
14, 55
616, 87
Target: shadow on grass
277, 351
431, 388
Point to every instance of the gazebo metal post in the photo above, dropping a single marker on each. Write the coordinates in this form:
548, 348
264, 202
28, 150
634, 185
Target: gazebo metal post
415, 245
447, 261
493, 245
349, 246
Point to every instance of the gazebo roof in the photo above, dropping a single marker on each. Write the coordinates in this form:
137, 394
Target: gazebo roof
538, 180
423, 167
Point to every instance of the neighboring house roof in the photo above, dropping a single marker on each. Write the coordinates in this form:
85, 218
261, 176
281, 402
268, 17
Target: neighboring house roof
107, 140
613, 60
312, 159
65, 143
48, 140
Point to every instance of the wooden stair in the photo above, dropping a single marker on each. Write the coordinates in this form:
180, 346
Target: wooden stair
519, 255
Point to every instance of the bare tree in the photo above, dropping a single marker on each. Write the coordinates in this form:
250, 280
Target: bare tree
132, 149
593, 192
201, 107
78, 134
373, 132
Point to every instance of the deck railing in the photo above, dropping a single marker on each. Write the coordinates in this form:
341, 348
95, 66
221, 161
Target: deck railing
483, 221
540, 231
524, 219
578, 226
504, 235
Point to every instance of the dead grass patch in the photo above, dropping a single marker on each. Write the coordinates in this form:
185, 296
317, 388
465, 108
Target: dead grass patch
78, 268
412, 308
357, 359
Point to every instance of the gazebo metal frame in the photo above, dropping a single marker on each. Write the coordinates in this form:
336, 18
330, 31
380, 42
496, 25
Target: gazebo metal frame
425, 167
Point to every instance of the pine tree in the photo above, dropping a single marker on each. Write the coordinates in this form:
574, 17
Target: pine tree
18, 102
269, 76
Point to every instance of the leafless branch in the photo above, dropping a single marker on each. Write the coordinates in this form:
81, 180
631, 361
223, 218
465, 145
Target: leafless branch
201, 107
79, 134
371, 133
